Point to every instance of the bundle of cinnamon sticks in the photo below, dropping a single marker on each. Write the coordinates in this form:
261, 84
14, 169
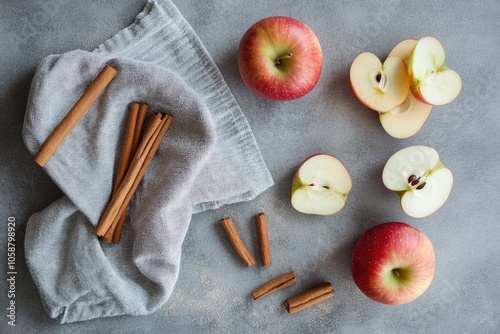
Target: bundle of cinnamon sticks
137, 152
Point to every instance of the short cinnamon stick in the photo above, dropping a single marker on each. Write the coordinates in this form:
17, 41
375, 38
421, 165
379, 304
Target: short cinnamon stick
274, 285
309, 298
236, 242
262, 233
143, 156
75, 114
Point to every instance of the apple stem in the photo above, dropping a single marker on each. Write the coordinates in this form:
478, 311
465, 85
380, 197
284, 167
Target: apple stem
277, 61
396, 272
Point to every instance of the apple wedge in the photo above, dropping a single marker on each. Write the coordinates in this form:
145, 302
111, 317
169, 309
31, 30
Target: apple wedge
403, 49
381, 87
430, 80
320, 185
417, 175
406, 119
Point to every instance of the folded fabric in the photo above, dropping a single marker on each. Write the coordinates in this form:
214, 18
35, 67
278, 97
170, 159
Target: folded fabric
208, 158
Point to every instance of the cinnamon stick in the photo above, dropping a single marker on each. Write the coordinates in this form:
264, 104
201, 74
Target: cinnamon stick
236, 242
134, 135
274, 285
309, 298
262, 233
130, 142
141, 117
76, 113
148, 146
164, 125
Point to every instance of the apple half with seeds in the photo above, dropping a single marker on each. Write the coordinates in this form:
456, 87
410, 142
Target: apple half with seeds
430, 80
417, 175
409, 117
320, 185
380, 87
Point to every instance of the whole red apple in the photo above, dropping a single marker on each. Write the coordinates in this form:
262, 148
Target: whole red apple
280, 58
393, 263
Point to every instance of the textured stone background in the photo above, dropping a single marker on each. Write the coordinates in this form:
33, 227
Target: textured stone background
213, 291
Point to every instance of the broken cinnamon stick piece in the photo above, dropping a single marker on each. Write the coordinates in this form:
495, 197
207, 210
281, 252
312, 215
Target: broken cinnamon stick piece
309, 298
262, 232
236, 242
76, 113
274, 285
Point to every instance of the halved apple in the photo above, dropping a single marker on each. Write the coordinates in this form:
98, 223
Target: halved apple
417, 175
409, 117
320, 185
381, 87
430, 80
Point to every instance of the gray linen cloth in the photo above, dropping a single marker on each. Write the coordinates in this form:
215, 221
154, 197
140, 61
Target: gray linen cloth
208, 158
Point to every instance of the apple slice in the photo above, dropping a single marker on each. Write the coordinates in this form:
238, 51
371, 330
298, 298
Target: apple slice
406, 119
409, 117
321, 185
381, 87
403, 49
420, 179
430, 80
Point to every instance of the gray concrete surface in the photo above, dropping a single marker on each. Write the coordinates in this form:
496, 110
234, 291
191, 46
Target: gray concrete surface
213, 291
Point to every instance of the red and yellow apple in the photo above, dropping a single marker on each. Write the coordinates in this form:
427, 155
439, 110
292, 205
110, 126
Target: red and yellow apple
393, 263
280, 58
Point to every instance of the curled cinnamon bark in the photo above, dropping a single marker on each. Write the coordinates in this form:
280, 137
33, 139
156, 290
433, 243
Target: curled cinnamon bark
309, 298
236, 242
73, 116
274, 285
262, 232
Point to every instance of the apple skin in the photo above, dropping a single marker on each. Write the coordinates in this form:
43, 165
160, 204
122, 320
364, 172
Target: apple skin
393, 263
280, 58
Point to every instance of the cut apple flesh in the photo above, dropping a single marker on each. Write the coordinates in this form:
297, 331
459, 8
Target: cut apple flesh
378, 86
430, 194
320, 185
430, 80
420, 179
406, 119
403, 49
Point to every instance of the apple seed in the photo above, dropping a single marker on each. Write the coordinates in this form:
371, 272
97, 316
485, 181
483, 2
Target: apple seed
378, 77
421, 186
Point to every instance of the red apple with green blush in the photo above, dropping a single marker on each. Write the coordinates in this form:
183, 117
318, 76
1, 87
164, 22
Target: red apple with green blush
393, 263
280, 58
